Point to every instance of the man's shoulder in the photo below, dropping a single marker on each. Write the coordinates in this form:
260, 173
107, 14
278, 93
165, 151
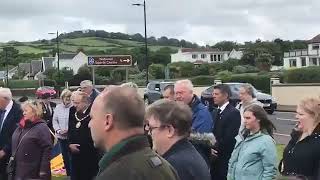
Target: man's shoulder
142, 163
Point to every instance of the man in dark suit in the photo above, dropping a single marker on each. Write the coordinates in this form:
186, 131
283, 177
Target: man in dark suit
227, 123
47, 109
10, 115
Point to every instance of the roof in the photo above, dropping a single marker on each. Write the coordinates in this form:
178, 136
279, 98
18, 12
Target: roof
47, 62
199, 50
316, 39
36, 66
24, 67
67, 56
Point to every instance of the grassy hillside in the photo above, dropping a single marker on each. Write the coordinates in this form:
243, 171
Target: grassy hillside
72, 45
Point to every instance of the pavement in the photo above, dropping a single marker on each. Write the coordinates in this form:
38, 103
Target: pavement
284, 123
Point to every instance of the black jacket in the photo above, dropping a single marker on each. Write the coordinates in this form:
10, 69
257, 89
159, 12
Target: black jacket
48, 114
93, 95
303, 158
225, 130
9, 126
187, 161
84, 164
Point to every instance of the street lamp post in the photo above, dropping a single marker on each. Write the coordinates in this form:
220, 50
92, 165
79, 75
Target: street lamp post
58, 55
58, 63
145, 38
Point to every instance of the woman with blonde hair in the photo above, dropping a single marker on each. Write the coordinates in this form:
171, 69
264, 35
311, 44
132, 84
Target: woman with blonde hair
31, 146
60, 123
301, 156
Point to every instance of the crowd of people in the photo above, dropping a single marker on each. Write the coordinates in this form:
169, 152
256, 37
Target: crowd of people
113, 135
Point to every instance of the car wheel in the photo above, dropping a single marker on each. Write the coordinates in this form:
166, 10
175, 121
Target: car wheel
270, 111
146, 101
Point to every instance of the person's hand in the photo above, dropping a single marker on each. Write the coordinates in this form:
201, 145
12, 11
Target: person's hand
63, 132
74, 148
214, 153
2, 154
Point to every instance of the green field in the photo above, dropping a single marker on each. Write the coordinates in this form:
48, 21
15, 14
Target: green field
72, 45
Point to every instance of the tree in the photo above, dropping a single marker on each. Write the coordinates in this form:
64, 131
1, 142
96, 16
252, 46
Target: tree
157, 70
264, 61
9, 55
162, 56
226, 45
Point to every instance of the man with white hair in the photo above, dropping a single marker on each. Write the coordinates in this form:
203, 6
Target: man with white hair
201, 118
10, 115
87, 87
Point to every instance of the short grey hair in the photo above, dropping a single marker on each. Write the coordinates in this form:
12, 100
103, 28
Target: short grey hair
185, 82
249, 89
86, 83
130, 85
6, 93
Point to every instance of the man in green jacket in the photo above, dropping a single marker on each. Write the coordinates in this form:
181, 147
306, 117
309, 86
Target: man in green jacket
116, 125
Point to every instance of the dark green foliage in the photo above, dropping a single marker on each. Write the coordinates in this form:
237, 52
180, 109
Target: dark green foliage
303, 75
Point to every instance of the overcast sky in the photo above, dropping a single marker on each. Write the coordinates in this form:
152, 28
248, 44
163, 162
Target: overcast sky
201, 21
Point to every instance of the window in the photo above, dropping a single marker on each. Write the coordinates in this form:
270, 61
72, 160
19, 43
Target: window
303, 61
215, 57
313, 61
315, 47
203, 56
194, 56
293, 63
219, 57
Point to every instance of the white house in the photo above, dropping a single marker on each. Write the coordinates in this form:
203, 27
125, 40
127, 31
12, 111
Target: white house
199, 56
303, 57
71, 60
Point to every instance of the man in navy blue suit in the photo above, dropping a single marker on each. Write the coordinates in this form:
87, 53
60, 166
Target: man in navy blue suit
10, 115
227, 123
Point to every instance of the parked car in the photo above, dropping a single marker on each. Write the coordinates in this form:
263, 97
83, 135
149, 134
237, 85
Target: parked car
154, 91
269, 103
44, 90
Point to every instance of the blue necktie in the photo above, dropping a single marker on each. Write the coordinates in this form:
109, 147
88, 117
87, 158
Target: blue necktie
2, 112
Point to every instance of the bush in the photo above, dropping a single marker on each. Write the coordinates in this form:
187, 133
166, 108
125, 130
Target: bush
225, 76
202, 80
157, 70
303, 75
244, 69
260, 82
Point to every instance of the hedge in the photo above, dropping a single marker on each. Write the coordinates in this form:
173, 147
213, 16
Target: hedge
260, 82
303, 75
202, 80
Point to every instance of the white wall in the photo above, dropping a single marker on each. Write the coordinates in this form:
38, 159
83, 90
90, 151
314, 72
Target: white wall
79, 60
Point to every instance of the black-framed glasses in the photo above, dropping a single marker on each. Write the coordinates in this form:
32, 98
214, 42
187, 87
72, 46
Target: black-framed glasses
149, 128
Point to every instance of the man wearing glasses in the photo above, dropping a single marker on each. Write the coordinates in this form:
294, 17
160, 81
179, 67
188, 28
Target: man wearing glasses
169, 124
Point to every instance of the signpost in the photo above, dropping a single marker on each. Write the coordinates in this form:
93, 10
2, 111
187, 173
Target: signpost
109, 60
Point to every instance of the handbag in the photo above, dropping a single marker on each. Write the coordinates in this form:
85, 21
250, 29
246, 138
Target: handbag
12, 160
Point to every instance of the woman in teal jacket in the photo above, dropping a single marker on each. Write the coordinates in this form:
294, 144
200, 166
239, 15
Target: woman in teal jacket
254, 156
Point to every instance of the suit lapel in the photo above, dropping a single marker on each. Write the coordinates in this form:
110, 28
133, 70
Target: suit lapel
9, 116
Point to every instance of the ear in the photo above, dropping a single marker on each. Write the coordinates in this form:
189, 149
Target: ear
171, 132
108, 122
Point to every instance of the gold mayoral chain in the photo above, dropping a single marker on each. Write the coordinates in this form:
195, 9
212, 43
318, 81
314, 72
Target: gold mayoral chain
79, 120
